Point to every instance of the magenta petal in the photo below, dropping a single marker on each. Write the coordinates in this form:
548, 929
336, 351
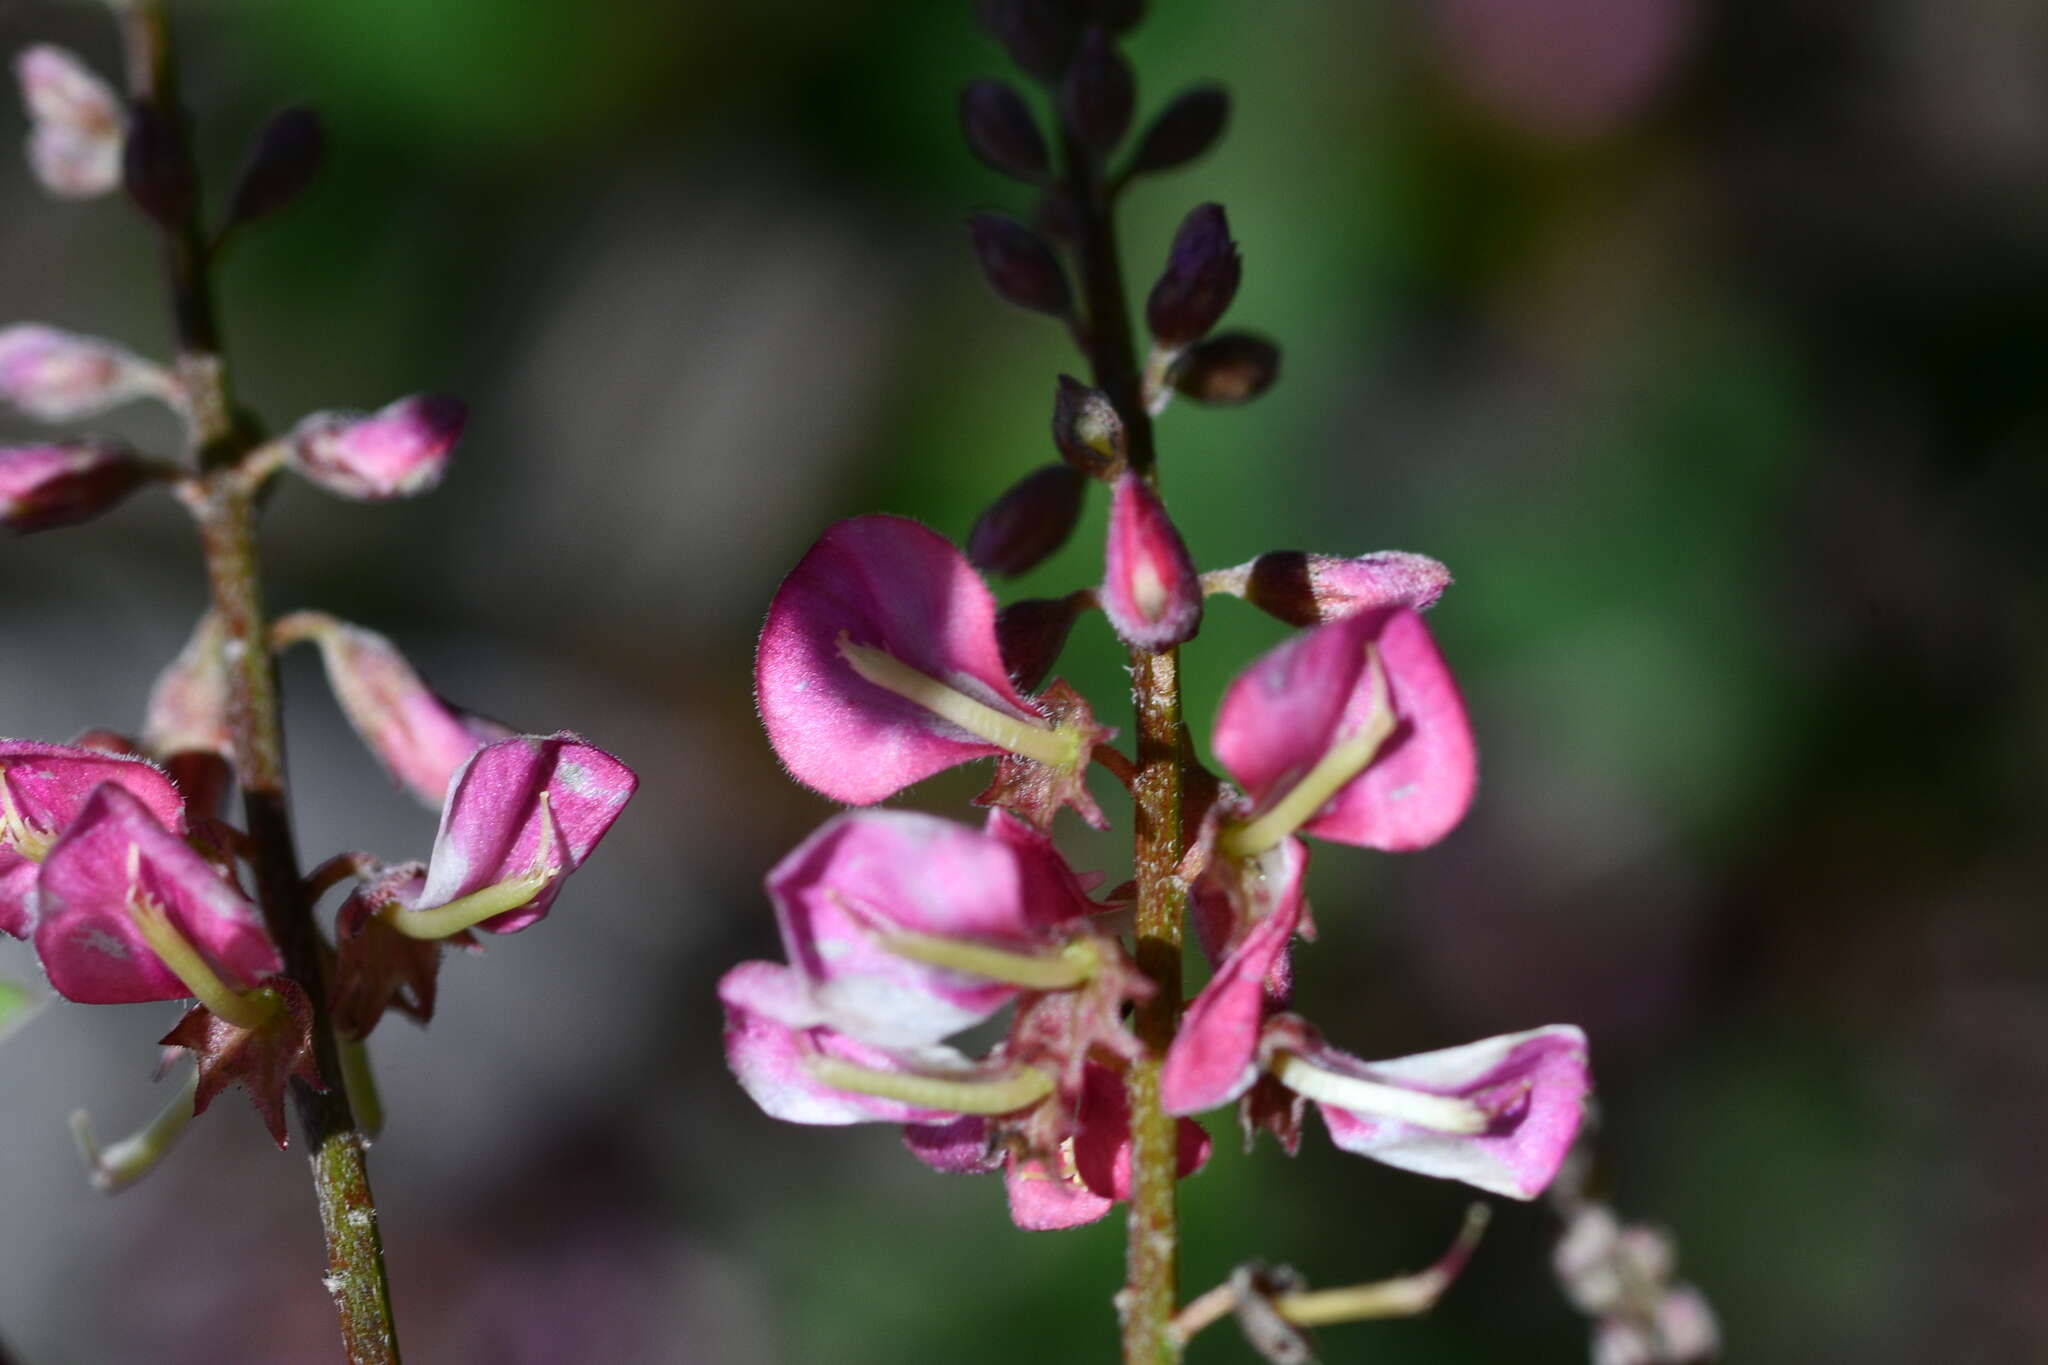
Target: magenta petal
419, 738
769, 1028
870, 873
496, 827
892, 585
1102, 1137
1532, 1085
1285, 712
395, 452
961, 1147
57, 485
43, 787
1214, 1056
1309, 589
1046, 1200
85, 936
1150, 590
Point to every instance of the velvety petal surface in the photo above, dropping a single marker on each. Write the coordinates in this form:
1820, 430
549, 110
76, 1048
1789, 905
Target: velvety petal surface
892, 585
532, 804
115, 854
1285, 712
1532, 1086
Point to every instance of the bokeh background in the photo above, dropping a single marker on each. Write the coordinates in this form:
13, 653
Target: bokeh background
1708, 344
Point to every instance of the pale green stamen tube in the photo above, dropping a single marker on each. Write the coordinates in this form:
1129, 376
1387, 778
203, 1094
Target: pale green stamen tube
175, 951
1439, 1112
1020, 1089
467, 912
112, 1169
1070, 967
1345, 760
1027, 738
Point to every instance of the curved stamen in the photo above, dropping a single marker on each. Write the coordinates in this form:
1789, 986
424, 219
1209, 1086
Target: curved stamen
1443, 1113
1343, 761
1020, 1089
1027, 738
1071, 966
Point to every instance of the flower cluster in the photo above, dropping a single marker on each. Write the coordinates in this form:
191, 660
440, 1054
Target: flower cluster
885, 659
115, 859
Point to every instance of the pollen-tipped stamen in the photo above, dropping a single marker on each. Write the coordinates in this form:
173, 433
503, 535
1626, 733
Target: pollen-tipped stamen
1003, 1094
15, 830
1027, 738
1443, 1113
1344, 761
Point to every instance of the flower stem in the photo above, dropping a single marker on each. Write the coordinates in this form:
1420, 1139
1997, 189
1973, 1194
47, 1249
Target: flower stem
1151, 1288
226, 512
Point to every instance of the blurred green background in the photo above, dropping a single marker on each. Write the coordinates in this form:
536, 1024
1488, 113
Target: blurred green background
1706, 342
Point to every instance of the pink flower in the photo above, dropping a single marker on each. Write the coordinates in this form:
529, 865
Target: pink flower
886, 914
58, 376
119, 893
58, 485
521, 815
75, 143
1521, 1096
1353, 731
1150, 592
420, 739
1310, 589
43, 790
879, 666
784, 1057
188, 703
395, 452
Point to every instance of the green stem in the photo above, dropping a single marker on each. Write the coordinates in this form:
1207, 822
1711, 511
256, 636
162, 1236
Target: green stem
1152, 1260
225, 509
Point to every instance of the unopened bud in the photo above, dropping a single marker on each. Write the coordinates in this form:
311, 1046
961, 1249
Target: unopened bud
1309, 589
58, 376
156, 166
420, 739
1184, 130
1031, 635
1115, 15
1226, 369
1099, 93
285, 157
1019, 265
57, 485
74, 146
1039, 35
1151, 592
1087, 428
1201, 277
394, 452
1029, 521
188, 705
1001, 132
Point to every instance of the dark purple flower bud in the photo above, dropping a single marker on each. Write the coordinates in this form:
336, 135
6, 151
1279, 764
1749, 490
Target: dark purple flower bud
156, 166
1226, 369
1202, 272
1099, 93
1028, 522
1087, 428
1019, 265
1039, 35
1032, 633
1115, 15
287, 154
57, 485
1001, 132
1184, 130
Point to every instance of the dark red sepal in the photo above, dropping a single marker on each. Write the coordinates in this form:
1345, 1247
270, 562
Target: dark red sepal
1034, 791
262, 1060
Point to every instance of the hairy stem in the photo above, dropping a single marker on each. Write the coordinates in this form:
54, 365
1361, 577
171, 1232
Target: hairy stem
226, 513
1151, 1287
